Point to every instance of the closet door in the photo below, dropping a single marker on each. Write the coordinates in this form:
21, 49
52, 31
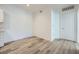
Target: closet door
68, 25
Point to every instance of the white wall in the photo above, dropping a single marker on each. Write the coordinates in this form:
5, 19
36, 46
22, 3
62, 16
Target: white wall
18, 23
78, 25
42, 24
55, 18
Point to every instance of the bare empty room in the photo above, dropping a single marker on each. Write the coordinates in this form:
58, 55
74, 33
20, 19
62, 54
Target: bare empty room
39, 28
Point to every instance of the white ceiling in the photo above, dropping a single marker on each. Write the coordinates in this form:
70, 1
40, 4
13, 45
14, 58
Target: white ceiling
37, 7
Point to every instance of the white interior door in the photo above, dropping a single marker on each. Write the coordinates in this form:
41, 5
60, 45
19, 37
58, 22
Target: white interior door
67, 25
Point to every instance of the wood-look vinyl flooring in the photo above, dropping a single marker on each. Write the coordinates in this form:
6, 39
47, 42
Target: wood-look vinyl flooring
36, 45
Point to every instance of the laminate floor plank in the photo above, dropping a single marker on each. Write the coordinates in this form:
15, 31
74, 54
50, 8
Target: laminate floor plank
62, 47
58, 47
44, 47
52, 47
77, 48
67, 47
24, 49
18, 44
73, 48
35, 45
